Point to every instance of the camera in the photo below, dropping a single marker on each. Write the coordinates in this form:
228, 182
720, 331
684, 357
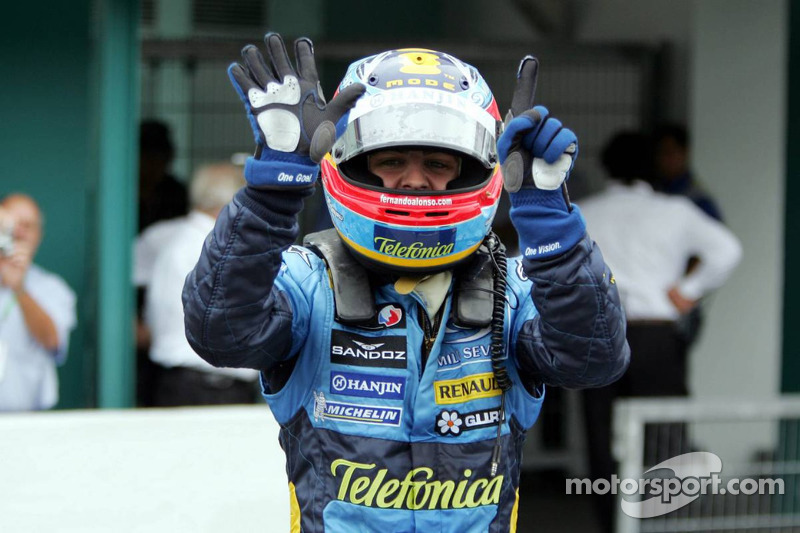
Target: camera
6, 240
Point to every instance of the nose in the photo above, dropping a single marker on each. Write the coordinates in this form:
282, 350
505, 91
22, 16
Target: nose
414, 177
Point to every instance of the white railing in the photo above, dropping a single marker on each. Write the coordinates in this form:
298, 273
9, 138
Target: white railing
754, 439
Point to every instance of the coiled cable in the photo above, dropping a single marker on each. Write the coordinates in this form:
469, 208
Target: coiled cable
498, 346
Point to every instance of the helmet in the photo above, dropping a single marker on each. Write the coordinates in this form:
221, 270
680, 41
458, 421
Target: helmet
419, 99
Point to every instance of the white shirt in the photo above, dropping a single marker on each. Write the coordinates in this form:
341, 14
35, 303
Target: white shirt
647, 238
28, 378
147, 246
163, 310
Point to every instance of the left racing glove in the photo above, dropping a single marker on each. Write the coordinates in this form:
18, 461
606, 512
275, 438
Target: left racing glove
537, 154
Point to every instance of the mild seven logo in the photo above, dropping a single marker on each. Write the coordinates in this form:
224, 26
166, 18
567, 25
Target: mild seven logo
414, 244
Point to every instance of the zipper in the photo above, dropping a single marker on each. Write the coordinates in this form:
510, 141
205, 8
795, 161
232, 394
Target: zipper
429, 333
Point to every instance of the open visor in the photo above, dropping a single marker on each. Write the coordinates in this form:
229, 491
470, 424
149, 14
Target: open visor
418, 117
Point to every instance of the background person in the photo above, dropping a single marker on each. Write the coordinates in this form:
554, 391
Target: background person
162, 197
37, 313
647, 238
673, 169
183, 378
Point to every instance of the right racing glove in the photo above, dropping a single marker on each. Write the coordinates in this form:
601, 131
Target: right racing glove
292, 124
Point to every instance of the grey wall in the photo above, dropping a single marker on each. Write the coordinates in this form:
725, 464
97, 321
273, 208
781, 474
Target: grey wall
738, 104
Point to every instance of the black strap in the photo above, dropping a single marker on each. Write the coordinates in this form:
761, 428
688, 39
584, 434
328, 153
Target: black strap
354, 298
352, 294
474, 295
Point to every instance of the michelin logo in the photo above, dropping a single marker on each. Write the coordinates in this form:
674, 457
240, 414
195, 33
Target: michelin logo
368, 385
364, 414
542, 249
283, 177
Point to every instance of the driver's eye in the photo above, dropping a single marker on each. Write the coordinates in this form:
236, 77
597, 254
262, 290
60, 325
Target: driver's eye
392, 162
439, 165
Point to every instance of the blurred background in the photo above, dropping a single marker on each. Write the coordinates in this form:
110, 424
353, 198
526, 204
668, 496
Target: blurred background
81, 75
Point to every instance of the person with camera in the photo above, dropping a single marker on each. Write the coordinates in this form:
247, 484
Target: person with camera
37, 312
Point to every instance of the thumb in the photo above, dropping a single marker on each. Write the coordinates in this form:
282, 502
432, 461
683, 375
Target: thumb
325, 134
345, 100
322, 141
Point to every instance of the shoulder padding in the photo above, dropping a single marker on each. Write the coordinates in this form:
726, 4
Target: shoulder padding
352, 294
473, 295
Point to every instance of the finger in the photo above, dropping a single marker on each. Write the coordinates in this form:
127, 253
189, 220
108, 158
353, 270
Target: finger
518, 127
278, 56
564, 142
545, 136
256, 67
525, 89
306, 65
240, 80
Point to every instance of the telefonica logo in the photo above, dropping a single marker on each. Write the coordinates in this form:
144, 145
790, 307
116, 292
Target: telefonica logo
420, 488
415, 250
414, 244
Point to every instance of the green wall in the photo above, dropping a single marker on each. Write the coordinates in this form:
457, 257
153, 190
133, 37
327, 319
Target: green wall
46, 129
69, 106
790, 376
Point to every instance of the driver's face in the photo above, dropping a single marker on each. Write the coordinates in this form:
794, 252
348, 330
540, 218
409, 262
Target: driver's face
414, 170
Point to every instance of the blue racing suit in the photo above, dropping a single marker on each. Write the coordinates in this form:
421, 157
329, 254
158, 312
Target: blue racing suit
389, 425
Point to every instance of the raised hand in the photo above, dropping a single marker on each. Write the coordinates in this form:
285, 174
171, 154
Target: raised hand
292, 124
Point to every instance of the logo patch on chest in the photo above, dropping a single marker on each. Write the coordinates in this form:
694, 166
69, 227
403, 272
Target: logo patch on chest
472, 387
452, 423
389, 315
368, 385
364, 414
352, 349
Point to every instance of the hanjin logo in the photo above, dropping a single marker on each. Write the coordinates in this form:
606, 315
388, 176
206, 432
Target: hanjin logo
368, 385
352, 349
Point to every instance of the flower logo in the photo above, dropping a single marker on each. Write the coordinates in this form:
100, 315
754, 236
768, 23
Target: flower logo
449, 422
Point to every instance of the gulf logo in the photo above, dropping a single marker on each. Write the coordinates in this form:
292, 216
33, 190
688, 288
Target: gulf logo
390, 315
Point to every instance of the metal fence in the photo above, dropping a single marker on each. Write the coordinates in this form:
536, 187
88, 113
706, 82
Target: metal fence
758, 443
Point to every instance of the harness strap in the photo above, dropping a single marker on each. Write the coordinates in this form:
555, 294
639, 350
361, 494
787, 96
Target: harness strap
352, 294
353, 297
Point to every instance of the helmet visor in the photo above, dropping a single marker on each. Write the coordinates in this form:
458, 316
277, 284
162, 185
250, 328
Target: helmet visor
418, 117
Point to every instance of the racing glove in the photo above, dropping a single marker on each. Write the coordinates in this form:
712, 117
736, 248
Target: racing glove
537, 154
292, 124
